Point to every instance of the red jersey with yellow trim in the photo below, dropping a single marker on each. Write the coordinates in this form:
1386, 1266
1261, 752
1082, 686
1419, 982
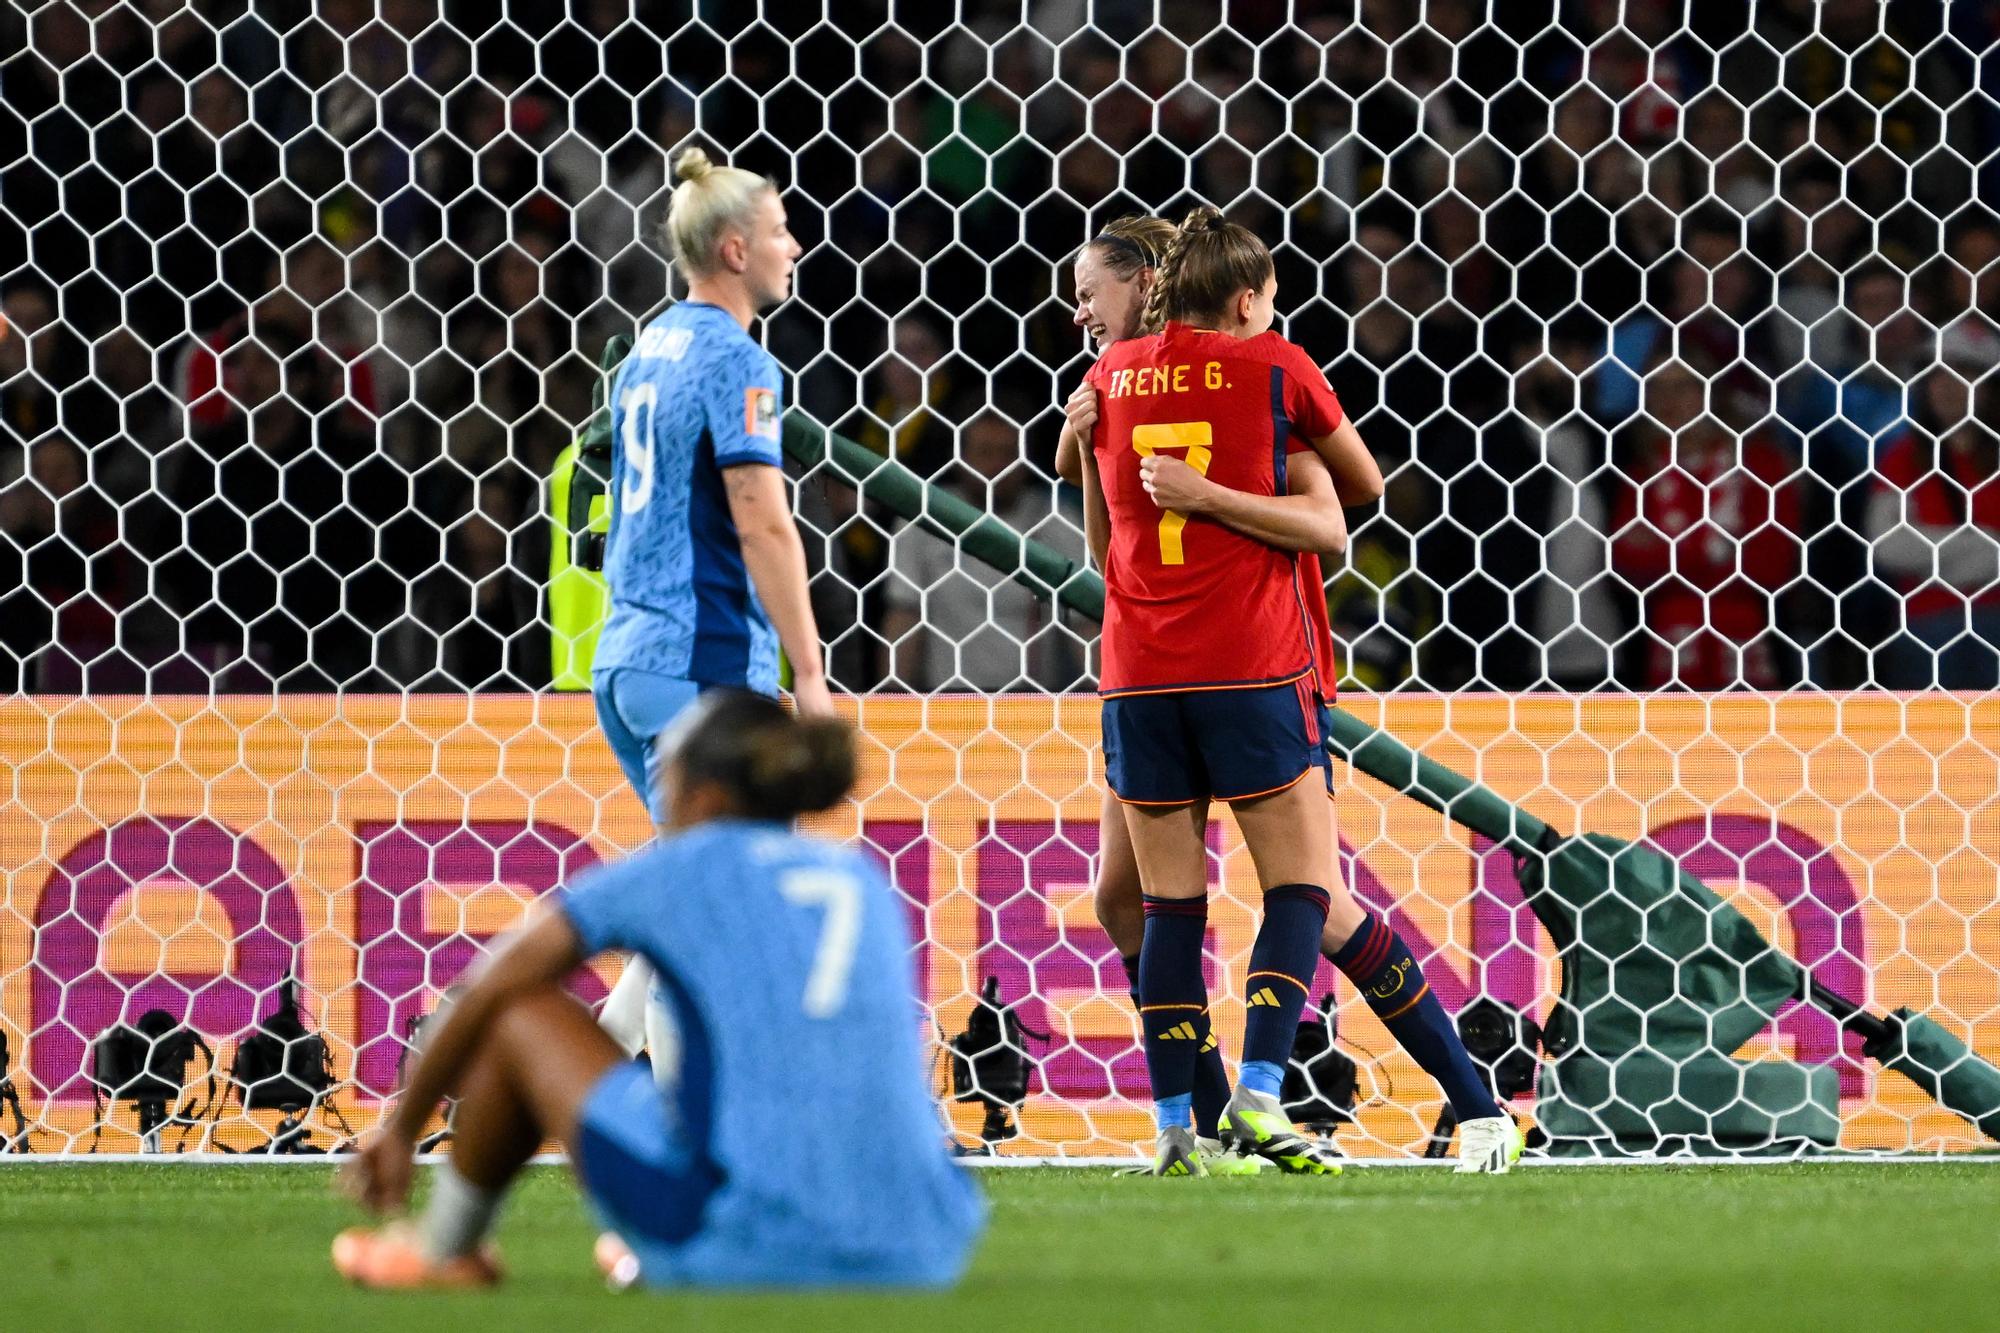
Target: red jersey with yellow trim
1191, 604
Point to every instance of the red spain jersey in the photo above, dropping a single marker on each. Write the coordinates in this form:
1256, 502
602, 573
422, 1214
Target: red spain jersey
1191, 604
1313, 580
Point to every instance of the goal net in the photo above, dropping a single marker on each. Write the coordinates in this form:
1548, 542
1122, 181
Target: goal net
1672, 327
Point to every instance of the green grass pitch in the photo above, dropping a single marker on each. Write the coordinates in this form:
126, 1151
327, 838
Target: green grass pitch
1849, 1246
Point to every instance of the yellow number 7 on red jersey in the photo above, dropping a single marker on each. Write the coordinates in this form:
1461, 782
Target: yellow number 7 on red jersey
1199, 441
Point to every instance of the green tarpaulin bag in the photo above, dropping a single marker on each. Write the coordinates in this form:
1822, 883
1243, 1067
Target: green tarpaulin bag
1661, 980
1707, 1105
1651, 956
1656, 964
1940, 1063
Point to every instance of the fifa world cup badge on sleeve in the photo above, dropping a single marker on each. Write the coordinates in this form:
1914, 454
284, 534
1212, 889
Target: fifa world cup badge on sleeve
760, 413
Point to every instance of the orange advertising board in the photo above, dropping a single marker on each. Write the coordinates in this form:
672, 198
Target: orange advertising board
186, 854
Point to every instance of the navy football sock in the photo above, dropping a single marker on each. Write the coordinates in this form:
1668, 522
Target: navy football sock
1211, 1077
1211, 1084
1281, 970
1173, 1000
1384, 970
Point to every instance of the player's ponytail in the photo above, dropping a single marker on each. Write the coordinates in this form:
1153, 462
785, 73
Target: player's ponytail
710, 200
1208, 261
772, 764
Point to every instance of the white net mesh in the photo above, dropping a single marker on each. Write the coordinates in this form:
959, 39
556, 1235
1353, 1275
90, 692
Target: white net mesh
1671, 325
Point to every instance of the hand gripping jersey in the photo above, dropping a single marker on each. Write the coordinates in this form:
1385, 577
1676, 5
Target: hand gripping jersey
696, 395
1190, 603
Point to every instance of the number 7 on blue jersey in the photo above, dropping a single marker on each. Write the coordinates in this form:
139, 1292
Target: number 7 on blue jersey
833, 962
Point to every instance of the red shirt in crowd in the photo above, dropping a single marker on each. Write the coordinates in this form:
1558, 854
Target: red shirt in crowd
1708, 542
205, 377
1950, 492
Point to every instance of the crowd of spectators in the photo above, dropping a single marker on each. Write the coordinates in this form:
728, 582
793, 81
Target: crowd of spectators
1672, 324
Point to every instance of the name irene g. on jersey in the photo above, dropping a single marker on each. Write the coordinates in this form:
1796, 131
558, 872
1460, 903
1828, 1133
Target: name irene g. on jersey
1145, 381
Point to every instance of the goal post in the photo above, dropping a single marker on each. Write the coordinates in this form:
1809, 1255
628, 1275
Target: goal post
1674, 328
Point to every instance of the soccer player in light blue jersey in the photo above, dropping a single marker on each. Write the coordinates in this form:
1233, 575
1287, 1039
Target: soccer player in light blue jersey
785, 961
707, 572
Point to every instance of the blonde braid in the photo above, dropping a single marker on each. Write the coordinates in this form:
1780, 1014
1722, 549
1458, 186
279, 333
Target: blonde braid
1205, 266
1167, 277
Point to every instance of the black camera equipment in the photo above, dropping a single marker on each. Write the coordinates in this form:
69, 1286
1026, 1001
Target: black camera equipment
145, 1063
989, 1063
1321, 1082
590, 478
12, 1100
284, 1068
412, 1035
1505, 1044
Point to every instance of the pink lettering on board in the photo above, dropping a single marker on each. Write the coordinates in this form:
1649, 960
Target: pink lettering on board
72, 997
1819, 901
1026, 870
904, 853
406, 961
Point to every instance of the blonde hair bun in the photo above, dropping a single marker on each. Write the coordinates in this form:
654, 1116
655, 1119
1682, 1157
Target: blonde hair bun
692, 165
711, 201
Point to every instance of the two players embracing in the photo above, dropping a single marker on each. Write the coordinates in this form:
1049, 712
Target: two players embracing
1215, 461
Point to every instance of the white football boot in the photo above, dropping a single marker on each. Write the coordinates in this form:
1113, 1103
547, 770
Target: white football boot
1488, 1146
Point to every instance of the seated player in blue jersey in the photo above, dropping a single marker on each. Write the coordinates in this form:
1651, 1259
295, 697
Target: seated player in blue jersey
705, 566
810, 1018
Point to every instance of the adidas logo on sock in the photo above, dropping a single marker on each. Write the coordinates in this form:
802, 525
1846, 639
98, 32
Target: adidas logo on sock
1210, 1044
1180, 1032
1263, 996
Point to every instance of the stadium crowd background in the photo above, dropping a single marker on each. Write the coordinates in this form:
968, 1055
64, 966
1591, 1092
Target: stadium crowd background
305, 302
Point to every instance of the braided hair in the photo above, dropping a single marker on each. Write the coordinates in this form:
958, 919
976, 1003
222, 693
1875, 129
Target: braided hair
1206, 263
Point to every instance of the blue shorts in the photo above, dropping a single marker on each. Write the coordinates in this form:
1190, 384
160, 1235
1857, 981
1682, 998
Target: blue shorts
1322, 756
647, 1183
634, 707
1226, 745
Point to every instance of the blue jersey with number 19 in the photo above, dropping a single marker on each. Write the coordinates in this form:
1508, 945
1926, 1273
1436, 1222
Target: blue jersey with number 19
785, 963
696, 395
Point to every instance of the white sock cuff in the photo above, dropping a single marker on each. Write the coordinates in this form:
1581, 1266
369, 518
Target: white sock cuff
458, 1216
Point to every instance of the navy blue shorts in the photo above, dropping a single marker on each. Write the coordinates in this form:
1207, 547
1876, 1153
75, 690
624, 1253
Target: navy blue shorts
1324, 715
1226, 745
647, 1182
